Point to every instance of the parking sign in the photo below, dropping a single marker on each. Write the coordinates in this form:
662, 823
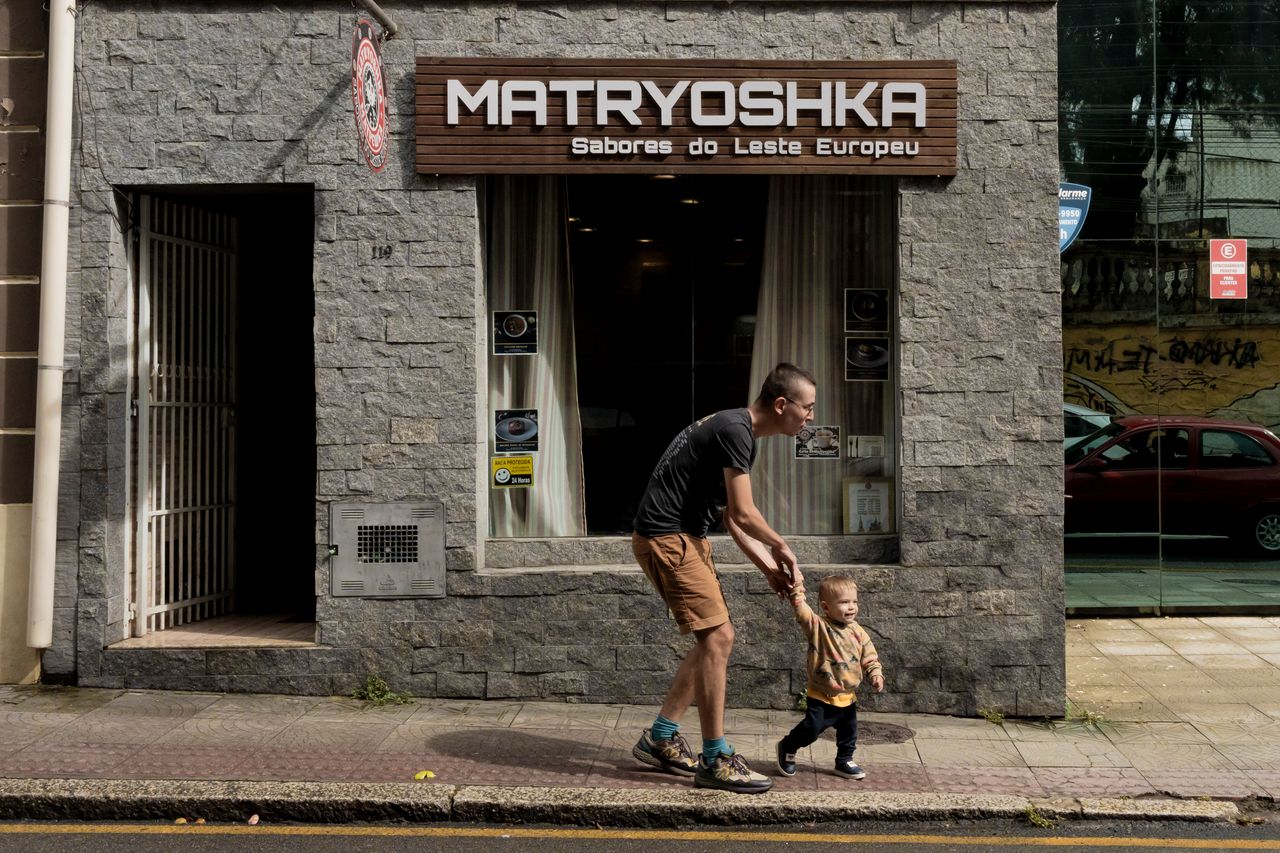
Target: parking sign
1227, 276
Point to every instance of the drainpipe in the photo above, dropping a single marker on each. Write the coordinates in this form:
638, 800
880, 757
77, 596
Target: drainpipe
53, 309
387, 24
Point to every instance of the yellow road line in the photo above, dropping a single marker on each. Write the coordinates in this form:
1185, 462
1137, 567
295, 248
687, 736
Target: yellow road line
635, 835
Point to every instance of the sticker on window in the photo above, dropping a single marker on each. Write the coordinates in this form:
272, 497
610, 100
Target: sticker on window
515, 332
512, 472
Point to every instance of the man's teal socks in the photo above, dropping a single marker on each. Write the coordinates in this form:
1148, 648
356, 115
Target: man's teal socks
663, 729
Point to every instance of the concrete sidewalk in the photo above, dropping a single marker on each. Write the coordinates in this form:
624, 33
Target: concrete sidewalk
1177, 710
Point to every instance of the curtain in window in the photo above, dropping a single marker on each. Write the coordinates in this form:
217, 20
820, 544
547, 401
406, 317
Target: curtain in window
822, 235
527, 264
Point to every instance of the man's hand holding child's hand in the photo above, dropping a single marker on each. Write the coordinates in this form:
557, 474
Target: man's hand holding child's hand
796, 578
784, 582
780, 582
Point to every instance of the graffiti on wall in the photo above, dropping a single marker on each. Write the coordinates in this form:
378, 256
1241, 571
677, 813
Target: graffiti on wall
1134, 369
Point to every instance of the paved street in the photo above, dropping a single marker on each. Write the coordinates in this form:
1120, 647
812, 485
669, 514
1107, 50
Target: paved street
993, 836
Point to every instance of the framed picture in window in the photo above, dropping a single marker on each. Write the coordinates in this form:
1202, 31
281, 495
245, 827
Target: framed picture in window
866, 359
515, 431
818, 442
866, 310
868, 505
515, 332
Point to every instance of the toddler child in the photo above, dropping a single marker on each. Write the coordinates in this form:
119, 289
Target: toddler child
840, 655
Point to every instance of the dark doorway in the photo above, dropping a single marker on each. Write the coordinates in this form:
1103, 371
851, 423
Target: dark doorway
228, 485
276, 412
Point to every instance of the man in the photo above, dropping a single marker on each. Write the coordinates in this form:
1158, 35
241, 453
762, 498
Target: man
704, 475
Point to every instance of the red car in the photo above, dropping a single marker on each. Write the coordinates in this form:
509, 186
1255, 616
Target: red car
1199, 476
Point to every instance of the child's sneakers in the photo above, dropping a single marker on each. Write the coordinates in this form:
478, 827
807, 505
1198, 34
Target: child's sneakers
849, 770
786, 762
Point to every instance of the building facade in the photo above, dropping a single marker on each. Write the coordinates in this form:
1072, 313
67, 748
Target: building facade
275, 349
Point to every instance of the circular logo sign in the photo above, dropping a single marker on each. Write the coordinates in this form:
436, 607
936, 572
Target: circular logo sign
1228, 250
369, 95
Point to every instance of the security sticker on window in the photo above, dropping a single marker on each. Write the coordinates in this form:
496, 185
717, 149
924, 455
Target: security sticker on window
511, 472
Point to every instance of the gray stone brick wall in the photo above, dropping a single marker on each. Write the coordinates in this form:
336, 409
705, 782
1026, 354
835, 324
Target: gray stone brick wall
966, 604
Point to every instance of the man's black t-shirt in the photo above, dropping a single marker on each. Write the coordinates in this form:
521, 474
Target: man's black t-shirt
686, 490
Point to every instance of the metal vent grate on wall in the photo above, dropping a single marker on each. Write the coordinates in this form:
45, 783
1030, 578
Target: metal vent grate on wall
387, 550
387, 543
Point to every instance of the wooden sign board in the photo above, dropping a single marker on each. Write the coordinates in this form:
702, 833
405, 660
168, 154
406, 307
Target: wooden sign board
485, 115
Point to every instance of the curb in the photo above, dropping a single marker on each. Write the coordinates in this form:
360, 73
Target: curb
1128, 808
346, 802
303, 802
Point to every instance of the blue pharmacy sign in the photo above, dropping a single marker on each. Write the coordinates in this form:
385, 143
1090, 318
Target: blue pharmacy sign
1073, 207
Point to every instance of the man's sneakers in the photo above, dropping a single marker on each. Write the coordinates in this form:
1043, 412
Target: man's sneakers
672, 755
849, 770
786, 762
725, 773
730, 773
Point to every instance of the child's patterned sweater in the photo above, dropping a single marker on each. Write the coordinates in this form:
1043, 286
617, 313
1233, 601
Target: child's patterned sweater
839, 655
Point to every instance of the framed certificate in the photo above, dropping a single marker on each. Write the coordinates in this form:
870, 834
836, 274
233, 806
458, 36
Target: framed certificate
868, 505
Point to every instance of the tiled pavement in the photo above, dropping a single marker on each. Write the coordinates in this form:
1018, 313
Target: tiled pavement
1188, 707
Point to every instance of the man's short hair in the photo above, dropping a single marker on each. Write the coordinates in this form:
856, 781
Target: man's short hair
783, 381
835, 585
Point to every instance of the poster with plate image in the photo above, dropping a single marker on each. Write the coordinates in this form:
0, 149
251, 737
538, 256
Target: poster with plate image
866, 310
866, 359
515, 332
515, 431
818, 442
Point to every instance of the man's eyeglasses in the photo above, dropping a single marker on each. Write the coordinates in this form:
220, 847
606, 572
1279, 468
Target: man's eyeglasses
808, 410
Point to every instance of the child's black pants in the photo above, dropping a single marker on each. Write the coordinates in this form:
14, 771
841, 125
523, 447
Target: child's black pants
818, 717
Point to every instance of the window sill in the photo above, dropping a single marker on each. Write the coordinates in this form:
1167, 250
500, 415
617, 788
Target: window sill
722, 568
613, 553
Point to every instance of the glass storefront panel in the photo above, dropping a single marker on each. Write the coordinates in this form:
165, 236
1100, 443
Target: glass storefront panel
623, 308
1112, 476
1104, 110
1203, 164
1221, 515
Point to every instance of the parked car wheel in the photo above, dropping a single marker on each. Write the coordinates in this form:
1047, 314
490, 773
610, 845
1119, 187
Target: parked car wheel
1265, 531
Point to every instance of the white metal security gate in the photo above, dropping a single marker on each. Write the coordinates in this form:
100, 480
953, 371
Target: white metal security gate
185, 557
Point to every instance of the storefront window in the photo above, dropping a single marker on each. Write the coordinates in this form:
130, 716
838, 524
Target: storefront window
643, 303
1168, 113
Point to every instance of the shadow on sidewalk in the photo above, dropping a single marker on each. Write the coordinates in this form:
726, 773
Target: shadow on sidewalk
535, 755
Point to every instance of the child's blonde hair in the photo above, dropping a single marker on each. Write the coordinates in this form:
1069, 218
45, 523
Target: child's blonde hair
834, 585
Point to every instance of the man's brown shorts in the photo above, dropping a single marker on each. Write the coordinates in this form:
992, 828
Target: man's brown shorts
680, 568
